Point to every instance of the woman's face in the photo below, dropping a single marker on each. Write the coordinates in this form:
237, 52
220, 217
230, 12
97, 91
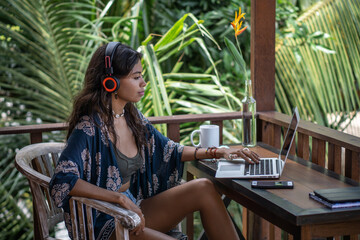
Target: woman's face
132, 87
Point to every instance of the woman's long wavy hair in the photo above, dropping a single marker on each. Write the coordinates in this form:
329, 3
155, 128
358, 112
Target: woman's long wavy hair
94, 99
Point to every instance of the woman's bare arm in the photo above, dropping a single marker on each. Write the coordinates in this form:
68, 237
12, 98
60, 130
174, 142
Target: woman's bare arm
227, 153
88, 190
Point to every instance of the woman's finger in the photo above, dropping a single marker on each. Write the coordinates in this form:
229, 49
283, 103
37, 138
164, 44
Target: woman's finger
246, 150
231, 156
139, 229
245, 157
254, 157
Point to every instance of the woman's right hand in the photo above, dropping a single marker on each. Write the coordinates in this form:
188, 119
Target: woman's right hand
126, 203
88, 190
245, 153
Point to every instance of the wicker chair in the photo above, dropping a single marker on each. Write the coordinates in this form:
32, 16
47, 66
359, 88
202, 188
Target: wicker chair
36, 162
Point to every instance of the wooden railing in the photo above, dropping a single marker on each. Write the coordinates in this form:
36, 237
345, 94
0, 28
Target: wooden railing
329, 148
334, 150
172, 122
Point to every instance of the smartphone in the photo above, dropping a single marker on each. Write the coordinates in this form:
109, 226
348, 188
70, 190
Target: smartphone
272, 184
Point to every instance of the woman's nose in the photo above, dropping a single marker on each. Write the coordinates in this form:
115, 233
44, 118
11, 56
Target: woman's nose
143, 81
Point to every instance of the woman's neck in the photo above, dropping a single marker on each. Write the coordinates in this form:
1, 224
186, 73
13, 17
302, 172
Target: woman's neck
118, 106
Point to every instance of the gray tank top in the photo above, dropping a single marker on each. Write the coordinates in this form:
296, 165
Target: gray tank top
127, 166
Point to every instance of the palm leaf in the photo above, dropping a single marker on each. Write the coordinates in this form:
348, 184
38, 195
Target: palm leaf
15, 221
323, 84
177, 39
236, 54
45, 67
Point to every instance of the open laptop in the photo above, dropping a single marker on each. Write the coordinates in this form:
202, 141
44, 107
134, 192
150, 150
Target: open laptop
267, 167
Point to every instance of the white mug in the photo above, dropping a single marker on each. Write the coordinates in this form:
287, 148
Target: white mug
209, 136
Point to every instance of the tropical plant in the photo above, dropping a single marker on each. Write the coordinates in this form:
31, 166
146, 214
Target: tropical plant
15, 201
178, 92
324, 86
303, 5
218, 14
235, 50
291, 30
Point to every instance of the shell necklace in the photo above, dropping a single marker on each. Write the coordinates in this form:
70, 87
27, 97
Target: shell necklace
118, 115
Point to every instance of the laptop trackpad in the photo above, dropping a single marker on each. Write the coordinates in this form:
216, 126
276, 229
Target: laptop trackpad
230, 169
233, 167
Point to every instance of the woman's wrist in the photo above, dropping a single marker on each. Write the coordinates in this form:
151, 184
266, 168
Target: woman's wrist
210, 152
204, 153
120, 199
195, 152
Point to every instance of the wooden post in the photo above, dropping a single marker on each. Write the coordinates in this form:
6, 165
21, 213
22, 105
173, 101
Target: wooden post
263, 53
173, 131
263, 78
221, 125
35, 137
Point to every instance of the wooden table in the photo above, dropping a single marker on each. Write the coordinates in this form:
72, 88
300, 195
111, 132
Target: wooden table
290, 209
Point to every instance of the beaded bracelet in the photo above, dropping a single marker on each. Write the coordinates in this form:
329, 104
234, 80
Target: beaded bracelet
196, 149
215, 152
206, 151
212, 151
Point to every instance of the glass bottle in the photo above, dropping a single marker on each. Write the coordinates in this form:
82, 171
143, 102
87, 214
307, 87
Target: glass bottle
248, 136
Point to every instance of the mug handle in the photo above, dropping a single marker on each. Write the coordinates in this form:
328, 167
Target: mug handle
191, 138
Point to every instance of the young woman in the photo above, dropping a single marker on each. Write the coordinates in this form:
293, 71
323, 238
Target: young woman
114, 154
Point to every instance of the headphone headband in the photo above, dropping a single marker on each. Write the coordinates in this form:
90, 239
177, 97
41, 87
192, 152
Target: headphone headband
109, 55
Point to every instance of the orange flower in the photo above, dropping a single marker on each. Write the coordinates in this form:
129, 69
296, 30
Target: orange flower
235, 50
236, 24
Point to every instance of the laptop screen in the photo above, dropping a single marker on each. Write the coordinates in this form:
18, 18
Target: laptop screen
290, 134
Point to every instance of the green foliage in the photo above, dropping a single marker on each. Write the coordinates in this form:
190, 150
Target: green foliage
292, 31
175, 91
15, 201
218, 17
321, 83
49, 54
237, 55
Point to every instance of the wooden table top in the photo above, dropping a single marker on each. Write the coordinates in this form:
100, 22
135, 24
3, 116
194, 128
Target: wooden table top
288, 208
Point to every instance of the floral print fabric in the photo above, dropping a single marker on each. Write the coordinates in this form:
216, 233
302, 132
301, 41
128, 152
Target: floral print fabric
89, 156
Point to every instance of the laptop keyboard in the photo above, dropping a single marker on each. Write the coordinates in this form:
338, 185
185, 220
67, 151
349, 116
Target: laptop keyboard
264, 167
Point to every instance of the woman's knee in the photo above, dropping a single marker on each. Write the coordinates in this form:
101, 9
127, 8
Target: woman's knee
204, 182
204, 185
149, 233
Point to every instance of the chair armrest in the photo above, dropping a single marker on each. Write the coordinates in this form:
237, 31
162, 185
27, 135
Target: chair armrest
32, 175
127, 218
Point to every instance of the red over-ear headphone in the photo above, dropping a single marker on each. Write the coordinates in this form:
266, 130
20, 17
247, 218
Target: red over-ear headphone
110, 82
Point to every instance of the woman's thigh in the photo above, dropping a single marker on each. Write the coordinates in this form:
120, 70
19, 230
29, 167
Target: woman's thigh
165, 210
148, 234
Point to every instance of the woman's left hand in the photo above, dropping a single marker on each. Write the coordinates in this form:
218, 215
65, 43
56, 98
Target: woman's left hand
233, 153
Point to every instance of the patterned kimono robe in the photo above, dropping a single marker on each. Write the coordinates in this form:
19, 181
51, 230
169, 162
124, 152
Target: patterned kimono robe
89, 155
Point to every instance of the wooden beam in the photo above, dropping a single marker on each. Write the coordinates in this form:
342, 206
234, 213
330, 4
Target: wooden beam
262, 73
263, 53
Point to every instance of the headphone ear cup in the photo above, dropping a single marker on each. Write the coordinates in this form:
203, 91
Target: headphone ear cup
111, 84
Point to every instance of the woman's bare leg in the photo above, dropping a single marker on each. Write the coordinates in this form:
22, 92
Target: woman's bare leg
148, 234
165, 210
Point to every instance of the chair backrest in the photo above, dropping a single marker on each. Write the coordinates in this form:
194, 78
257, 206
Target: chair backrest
37, 163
